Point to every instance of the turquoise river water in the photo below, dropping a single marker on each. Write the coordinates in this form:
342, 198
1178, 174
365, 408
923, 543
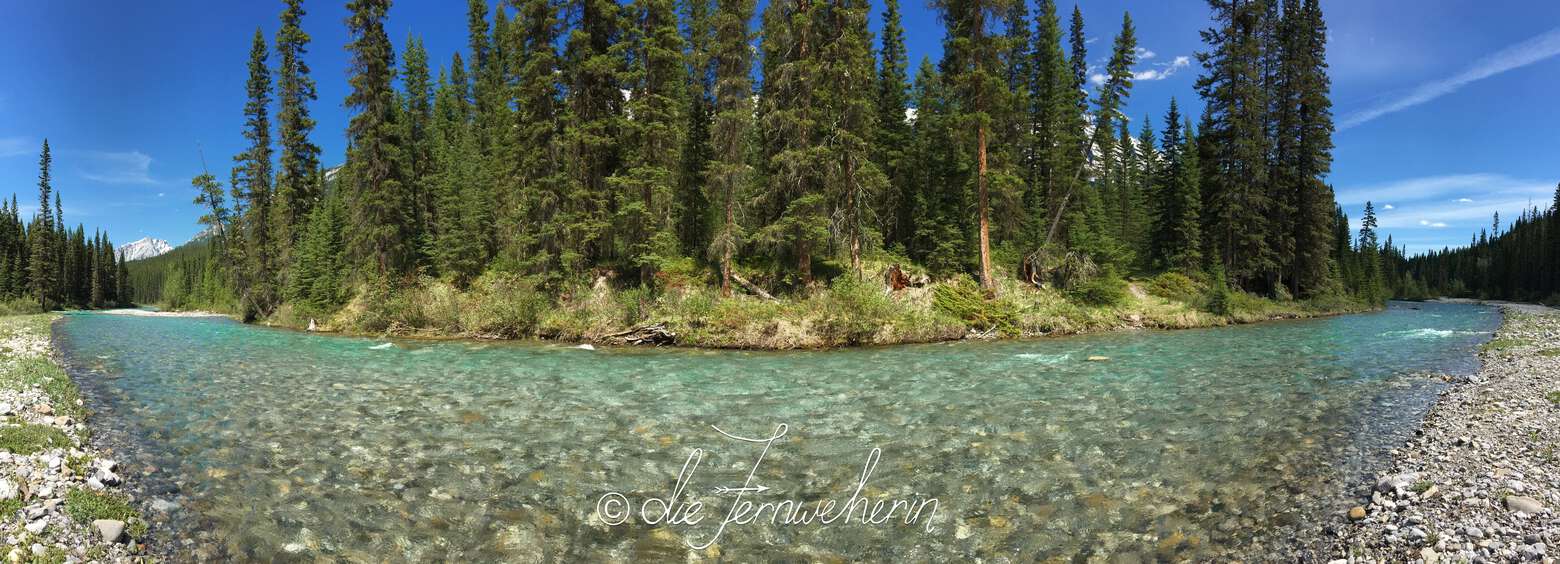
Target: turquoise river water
251, 443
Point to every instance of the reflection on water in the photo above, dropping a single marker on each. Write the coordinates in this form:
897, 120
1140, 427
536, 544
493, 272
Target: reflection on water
1188, 444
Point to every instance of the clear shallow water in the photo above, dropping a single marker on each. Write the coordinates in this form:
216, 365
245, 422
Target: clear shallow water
1187, 444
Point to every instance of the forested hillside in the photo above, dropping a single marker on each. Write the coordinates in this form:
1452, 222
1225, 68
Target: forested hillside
656, 148
45, 265
1519, 261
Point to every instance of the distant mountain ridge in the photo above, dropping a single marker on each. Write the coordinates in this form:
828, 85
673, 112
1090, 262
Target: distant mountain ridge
143, 248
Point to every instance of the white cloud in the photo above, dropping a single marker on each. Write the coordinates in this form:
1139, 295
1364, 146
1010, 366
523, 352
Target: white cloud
1091, 40
1163, 70
1435, 211
1097, 79
1388, 207
1533, 50
125, 167
16, 146
160, 194
1144, 54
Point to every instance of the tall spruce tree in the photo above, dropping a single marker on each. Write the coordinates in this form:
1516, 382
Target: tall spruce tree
892, 135
971, 53
656, 80
296, 182
1234, 135
381, 222
728, 170
417, 111
43, 263
252, 185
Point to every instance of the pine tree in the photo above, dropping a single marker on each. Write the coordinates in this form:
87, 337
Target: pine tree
1371, 283
692, 205
892, 136
943, 236
1176, 240
592, 131
852, 180
295, 182
656, 80
43, 263
1236, 144
380, 219
791, 117
252, 182
970, 53
532, 231
728, 170
461, 204
417, 108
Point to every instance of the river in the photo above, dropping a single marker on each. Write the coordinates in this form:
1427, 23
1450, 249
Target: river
264, 444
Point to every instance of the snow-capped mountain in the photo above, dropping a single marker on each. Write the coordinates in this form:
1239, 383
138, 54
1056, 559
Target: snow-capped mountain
144, 248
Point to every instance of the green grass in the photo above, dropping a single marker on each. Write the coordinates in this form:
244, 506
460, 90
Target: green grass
1504, 344
27, 372
1553, 397
1550, 352
85, 506
28, 438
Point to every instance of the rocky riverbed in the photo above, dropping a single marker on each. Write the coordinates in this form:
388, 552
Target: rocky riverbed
60, 498
1480, 481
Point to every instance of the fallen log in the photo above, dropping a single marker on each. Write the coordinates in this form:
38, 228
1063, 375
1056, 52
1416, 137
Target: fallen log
653, 334
751, 287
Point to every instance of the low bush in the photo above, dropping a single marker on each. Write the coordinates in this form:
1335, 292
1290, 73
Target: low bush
1175, 286
1105, 291
966, 301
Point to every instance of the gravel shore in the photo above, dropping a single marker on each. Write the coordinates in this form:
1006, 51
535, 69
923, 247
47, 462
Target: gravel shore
1480, 482
60, 498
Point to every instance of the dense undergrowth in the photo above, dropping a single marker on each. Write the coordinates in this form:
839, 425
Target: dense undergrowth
848, 311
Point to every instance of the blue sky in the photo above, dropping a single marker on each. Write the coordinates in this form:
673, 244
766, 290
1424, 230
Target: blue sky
1445, 108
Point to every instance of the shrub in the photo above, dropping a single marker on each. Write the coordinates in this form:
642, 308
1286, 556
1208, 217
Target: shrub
1217, 299
1175, 286
20, 306
853, 310
1105, 291
965, 301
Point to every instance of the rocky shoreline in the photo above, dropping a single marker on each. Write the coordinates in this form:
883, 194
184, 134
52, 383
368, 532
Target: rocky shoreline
1480, 481
60, 498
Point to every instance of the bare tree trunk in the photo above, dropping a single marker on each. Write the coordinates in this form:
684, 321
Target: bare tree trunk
725, 251
985, 234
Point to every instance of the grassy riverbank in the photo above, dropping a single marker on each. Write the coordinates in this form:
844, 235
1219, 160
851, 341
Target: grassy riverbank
59, 498
848, 312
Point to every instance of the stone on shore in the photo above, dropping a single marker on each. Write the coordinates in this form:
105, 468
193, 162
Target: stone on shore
111, 529
1524, 504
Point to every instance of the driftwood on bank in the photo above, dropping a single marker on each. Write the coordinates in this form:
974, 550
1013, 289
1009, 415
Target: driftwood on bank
653, 334
751, 287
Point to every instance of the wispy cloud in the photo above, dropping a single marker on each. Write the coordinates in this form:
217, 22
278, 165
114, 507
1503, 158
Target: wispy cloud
16, 146
1163, 70
1159, 71
1533, 50
1443, 210
1388, 207
126, 167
